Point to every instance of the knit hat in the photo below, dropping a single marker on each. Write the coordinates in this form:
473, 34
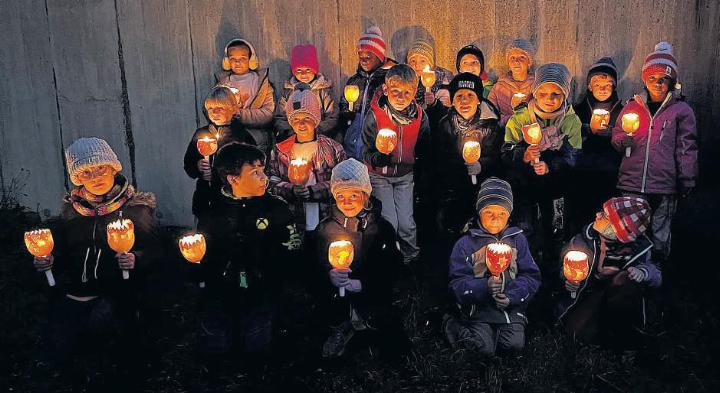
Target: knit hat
302, 100
660, 61
604, 65
304, 56
523, 45
470, 50
253, 62
372, 41
89, 152
350, 174
468, 81
422, 47
555, 73
628, 216
495, 191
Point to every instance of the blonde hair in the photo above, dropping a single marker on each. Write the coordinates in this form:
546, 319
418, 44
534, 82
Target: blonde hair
401, 73
221, 95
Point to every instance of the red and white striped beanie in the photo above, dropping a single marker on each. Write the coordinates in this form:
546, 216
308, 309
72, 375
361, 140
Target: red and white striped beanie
372, 41
660, 61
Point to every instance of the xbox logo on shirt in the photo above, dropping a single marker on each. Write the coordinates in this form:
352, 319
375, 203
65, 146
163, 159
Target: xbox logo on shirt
262, 223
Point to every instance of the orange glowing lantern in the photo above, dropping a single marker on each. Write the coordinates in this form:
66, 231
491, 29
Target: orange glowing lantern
498, 257
193, 247
340, 255
207, 146
40, 244
299, 171
601, 115
532, 134
575, 268
385, 142
352, 93
471, 155
121, 238
630, 124
517, 98
427, 77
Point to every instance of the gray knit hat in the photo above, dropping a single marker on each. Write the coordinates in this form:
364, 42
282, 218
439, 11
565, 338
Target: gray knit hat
494, 191
302, 100
525, 46
553, 73
604, 65
89, 152
350, 174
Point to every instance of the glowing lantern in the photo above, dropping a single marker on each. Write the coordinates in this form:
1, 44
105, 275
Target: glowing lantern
193, 247
517, 99
40, 244
601, 115
352, 93
340, 255
532, 134
121, 238
207, 146
497, 258
630, 124
471, 155
299, 171
385, 142
575, 268
427, 77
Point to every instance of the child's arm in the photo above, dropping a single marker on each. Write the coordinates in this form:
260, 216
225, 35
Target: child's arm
370, 151
279, 184
653, 275
192, 156
528, 279
320, 192
262, 116
686, 149
514, 146
467, 288
280, 120
330, 114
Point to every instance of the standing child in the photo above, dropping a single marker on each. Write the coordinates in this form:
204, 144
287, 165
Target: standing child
471, 59
518, 80
392, 174
491, 313
306, 70
421, 57
663, 151
252, 88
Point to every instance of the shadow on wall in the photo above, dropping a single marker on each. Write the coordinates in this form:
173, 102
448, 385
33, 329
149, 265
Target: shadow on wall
404, 38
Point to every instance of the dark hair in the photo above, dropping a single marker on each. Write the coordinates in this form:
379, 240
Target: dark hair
403, 72
231, 158
238, 44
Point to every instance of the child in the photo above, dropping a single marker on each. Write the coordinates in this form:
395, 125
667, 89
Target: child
305, 68
367, 304
98, 309
421, 56
391, 174
595, 174
370, 75
251, 240
663, 159
252, 88
491, 313
538, 172
471, 59
221, 107
609, 304
310, 202
519, 56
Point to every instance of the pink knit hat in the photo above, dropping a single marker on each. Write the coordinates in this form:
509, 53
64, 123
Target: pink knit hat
660, 61
628, 216
372, 41
304, 56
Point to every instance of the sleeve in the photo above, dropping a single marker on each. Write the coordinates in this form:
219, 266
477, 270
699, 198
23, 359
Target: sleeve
369, 133
330, 113
490, 152
514, 146
320, 192
286, 238
464, 285
279, 184
192, 156
653, 275
147, 245
686, 148
528, 279
262, 116
280, 120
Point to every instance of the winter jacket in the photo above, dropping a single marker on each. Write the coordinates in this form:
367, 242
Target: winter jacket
666, 149
597, 154
206, 192
328, 154
412, 145
322, 88
469, 276
503, 90
257, 118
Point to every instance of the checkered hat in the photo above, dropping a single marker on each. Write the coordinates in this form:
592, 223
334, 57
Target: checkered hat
628, 216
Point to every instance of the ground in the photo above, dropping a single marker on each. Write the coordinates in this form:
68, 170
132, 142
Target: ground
683, 357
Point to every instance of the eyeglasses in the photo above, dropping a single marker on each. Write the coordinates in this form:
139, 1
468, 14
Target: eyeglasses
94, 173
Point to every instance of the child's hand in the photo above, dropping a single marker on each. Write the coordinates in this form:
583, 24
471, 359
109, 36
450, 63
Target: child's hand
501, 301
339, 277
354, 285
541, 168
43, 263
494, 285
443, 95
474, 169
571, 286
204, 168
126, 261
636, 274
628, 141
532, 153
301, 192
429, 97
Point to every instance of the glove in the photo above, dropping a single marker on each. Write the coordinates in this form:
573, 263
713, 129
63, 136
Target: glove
302, 193
339, 277
44, 263
204, 169
126, 261
501, 301
474, 169
635, 274
571, 286
354, 286
628, 141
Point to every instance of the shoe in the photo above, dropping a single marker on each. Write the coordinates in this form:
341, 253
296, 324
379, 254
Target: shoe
339, 337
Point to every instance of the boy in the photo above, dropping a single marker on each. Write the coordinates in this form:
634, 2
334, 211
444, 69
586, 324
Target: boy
491, 310
471, 59
663, 161
519, 56
392, 175
252, 88
421, 56
305, 68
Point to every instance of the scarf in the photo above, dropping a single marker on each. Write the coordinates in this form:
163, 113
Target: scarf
403, 117
91, 205
552, 138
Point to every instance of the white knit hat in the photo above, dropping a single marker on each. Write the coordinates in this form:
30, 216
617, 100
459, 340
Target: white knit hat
89, 152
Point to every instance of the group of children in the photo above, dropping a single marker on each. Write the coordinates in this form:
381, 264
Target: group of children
290, 179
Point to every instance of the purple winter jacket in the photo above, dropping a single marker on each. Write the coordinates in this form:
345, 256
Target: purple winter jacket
669, 160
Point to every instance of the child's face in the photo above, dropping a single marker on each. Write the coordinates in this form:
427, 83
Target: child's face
368, 61
494, 218
351, 202
601, 86
220, 114
658, 86
400, 93
549, 97
418, 63
239, 57
466, 103
304, 74
518, 62
470, 63
304, 126
251, 182
603, 227
98, 180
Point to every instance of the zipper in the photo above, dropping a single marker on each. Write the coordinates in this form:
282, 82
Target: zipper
649, 140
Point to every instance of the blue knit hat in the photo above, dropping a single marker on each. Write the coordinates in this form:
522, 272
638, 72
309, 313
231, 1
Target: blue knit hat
89, 152
350, 174
554, 73
495, 191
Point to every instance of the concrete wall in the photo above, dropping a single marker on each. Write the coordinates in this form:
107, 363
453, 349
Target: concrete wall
136, 72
